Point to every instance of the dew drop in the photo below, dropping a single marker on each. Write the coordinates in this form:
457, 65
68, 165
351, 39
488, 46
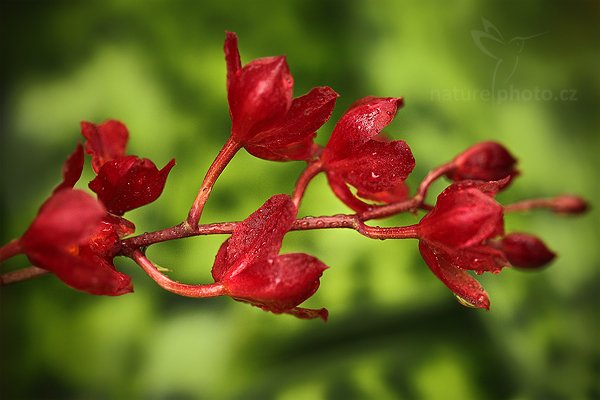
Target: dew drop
464, 302
374, 175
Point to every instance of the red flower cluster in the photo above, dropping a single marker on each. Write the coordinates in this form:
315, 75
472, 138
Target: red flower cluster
250, 269
75, 236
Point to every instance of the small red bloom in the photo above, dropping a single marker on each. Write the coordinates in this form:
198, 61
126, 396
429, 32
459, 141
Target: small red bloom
487, 161
455, 237
129, 182
250, 269
525, 251
69, 238
123, 182
265, 118
355, 155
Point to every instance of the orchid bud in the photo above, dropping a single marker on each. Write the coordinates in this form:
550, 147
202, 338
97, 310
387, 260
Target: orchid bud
567, 204
526, 251
486, 161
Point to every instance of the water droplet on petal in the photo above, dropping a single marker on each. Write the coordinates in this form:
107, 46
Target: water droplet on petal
464, 302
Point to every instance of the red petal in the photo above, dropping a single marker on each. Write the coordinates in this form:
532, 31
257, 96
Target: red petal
232, 57
462, 218
220, 266
129, 182
67, 218
122, 226
278, 284
260, 94
105, 142
341, 190
479, 259
394, 195
526, 251
257, 238
88, 273
306, 114
72, 169
304, 150
491, 188
459, 281
309, 313
376, 166
360, 123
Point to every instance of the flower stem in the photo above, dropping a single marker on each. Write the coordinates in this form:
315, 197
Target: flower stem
21, 275
376, 232
312, 169
227, 152
182, 289
10, 249
431, 177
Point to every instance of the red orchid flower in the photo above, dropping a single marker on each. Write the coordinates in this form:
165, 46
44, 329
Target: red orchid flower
356, 155
123, 182
74, 237
250, 269
266, 121
65, 239
455, 236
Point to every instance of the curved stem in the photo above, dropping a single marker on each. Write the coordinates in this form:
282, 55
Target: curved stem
227, 152
182, 289
180, 231
431, 177
10, 249
312, 169
21, 275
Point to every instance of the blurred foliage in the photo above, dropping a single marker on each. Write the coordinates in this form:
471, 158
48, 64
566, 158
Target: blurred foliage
394, 331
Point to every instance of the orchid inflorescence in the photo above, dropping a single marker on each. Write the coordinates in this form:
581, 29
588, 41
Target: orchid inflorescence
76, 236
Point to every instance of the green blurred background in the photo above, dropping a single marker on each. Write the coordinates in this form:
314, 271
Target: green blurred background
395, 332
